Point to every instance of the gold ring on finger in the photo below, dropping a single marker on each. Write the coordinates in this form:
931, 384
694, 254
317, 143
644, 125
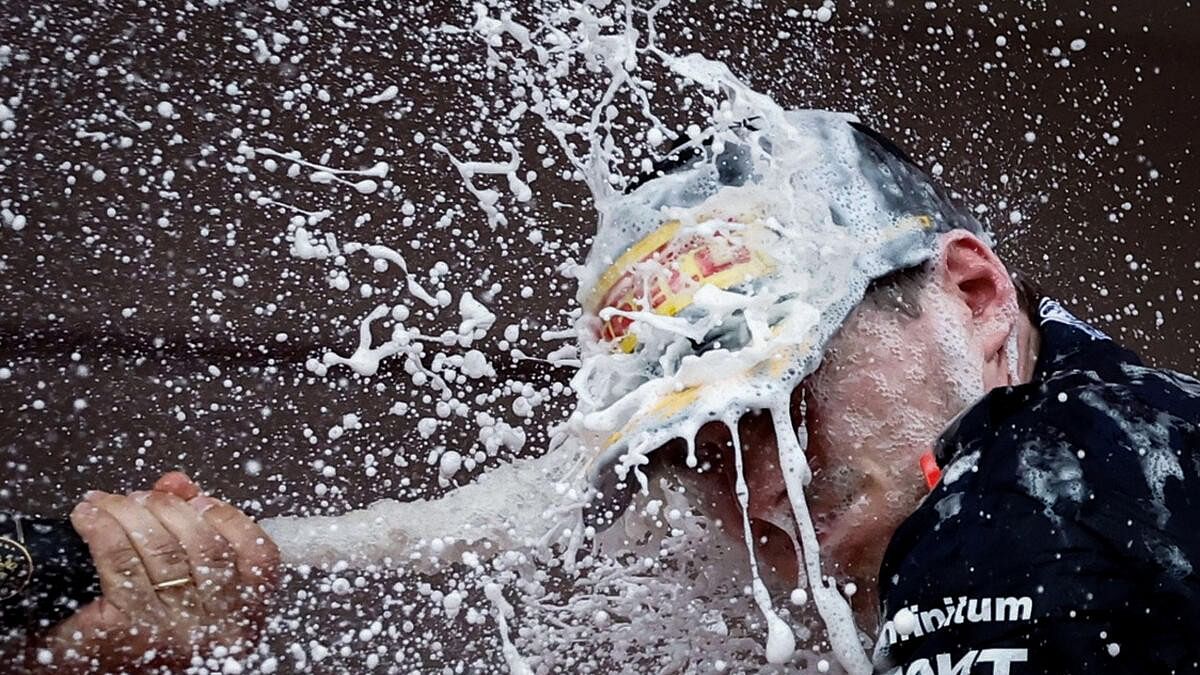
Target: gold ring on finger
172, 583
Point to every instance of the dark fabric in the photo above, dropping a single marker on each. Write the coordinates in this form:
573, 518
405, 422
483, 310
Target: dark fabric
1063, 536
63, 580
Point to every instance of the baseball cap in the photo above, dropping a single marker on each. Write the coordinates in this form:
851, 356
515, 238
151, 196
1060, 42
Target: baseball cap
713, 287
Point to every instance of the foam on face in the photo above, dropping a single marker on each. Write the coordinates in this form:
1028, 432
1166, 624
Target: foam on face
961, 365
781, 643
793, 188
801, 197
835, 611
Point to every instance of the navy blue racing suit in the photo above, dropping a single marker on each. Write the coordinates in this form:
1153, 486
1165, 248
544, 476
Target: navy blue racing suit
1064, 533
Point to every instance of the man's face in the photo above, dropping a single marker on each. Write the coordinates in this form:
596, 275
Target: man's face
888, 386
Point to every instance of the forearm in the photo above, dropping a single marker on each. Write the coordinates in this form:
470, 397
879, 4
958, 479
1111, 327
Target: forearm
508, 507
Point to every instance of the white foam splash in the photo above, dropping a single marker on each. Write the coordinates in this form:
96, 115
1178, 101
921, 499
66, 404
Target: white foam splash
805, 167
835, 611
514, 506
781, 642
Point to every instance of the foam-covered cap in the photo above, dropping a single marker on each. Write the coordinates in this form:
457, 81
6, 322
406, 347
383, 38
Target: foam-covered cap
714, 288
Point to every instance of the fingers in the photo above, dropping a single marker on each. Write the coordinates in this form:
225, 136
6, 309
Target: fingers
123, 579
257, 556
149, 538
162, 555
178, 484
208, 552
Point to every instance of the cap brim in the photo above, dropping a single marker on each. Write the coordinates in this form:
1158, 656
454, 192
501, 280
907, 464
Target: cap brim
618, 469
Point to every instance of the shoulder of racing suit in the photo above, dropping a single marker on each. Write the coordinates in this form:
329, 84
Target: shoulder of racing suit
1063, 534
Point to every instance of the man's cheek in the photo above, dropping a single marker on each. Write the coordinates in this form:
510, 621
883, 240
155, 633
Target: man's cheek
836, 483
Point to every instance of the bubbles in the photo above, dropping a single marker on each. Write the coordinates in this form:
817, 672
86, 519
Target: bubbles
450, 464
905, 621
230, 143
798, 597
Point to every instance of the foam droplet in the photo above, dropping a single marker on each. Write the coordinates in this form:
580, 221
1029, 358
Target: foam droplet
781, 641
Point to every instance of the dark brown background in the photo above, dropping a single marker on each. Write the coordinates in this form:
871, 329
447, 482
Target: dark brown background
148, 400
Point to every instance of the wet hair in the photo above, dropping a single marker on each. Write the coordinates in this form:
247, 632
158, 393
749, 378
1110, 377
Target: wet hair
901, 291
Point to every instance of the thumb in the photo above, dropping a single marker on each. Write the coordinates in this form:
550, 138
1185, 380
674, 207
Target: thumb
178, 484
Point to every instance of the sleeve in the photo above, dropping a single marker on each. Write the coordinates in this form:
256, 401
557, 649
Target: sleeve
1053, 546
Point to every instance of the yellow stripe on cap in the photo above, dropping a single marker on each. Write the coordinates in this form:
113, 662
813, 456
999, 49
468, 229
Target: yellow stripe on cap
666, 407
636, 253
773, 368
690, 266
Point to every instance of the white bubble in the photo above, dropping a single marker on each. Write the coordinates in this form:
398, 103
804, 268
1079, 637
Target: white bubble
799, 596
905, 621
450, 463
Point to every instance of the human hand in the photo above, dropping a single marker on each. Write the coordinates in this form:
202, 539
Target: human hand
179, 572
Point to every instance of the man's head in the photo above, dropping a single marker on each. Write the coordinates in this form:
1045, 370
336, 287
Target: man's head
923, 345
804, 261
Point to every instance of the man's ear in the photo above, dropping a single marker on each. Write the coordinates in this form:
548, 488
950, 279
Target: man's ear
970, 271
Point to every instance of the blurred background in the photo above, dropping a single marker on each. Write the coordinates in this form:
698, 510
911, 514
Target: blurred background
152, 317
